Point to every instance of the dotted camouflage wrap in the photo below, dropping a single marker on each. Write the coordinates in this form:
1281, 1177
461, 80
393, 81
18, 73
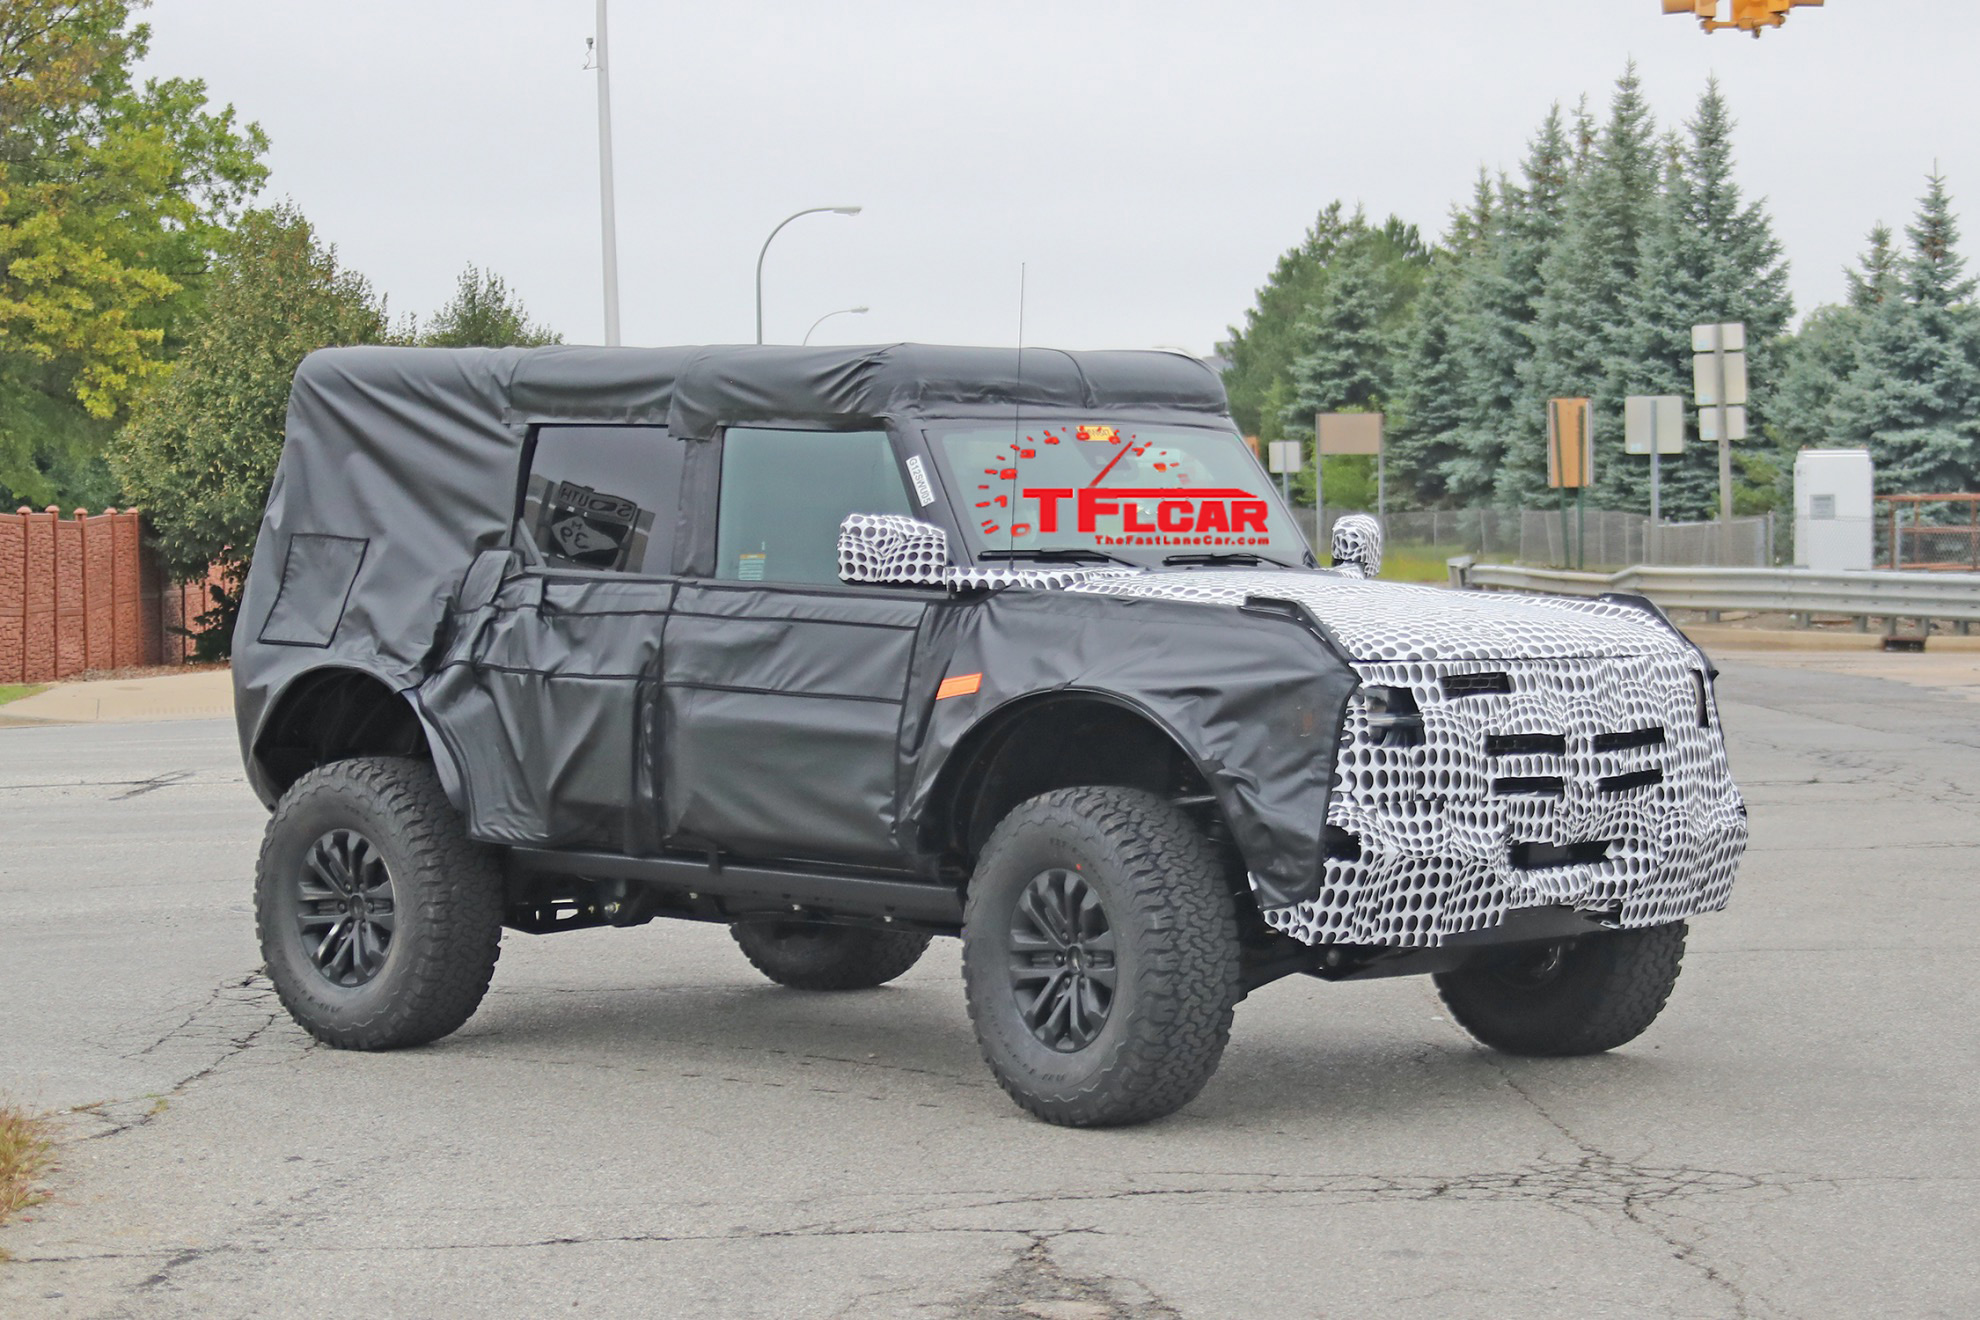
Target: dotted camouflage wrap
1564, 755
1569, 752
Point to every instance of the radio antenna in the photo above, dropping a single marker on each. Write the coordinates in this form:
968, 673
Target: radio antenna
1017, 418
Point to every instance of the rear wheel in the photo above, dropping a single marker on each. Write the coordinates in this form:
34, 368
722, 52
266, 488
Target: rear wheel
380, 920
1573, 997
810, 955
1100, 956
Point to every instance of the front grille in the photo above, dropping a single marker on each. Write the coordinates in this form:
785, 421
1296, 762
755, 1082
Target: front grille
1525, 744
1625, 783
1477, 685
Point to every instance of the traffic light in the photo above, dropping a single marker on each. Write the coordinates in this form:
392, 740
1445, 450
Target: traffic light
1747, 15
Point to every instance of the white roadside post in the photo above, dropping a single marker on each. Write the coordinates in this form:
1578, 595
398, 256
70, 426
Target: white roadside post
1718, 384
1653, 424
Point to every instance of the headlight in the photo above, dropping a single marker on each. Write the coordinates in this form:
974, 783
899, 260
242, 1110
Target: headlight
1393, 716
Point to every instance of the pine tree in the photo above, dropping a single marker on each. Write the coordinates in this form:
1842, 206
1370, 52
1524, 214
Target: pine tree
1878, 278
1261, 354
1428, 413
1708, 257
1496, 309
1914, 397
1590, 277
1824, 353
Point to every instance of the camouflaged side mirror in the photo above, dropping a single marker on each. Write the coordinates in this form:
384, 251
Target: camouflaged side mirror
1358, 544
892, 548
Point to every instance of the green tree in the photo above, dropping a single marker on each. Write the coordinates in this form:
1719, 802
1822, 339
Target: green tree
1589, 276
200, 451
1709, 256
484, 314
1261, 354
112, 199
1497, 309
1822, 356
1914, 396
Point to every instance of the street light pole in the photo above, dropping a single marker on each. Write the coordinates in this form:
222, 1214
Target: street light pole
607, 204
809, 210
843, 311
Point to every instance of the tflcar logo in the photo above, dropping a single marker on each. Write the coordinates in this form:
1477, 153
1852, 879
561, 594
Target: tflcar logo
1208, 510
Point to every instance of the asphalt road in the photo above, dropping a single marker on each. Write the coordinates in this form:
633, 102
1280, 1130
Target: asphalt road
635, 1124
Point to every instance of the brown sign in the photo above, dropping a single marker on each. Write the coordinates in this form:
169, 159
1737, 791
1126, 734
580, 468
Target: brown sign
1349, 433
1570, 444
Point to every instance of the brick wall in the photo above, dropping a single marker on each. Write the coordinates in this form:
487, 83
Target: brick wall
82, 593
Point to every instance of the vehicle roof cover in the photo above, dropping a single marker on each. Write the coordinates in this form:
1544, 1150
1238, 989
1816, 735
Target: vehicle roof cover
400, 464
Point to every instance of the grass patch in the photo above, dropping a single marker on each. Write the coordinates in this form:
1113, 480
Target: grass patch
1418, 563
25, 1153
15, 691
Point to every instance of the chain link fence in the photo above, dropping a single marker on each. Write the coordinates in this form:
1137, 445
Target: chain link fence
1614, 539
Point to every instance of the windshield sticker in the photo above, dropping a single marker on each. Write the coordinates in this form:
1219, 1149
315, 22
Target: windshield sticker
749, 567
919, 475
584, 527
1129, 492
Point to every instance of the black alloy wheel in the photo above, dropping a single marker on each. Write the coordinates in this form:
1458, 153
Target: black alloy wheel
1062, 960
345, 908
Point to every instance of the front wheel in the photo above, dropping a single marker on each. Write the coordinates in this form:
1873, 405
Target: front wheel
1100, 956
1579, 996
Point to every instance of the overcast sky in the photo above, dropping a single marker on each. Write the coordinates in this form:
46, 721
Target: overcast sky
1147, 161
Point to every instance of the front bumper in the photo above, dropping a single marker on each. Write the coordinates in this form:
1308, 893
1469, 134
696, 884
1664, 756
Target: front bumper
1596, 784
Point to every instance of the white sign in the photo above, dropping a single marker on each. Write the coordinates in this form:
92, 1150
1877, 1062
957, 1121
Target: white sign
1653, 421
922, 490
1708, 423
1284, 456
1711, 338
1705, 370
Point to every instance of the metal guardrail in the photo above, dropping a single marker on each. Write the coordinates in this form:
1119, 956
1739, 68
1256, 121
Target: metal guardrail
1953, 597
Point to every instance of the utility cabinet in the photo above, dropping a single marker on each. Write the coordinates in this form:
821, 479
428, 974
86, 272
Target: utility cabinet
1833, 509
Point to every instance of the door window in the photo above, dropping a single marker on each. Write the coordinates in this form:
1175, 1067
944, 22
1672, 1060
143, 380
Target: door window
604, 497
784, 494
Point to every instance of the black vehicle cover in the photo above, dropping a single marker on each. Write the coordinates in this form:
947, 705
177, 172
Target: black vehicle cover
402, 465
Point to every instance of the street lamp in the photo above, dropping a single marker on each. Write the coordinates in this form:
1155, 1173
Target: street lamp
607, 206
810, 210
843, 311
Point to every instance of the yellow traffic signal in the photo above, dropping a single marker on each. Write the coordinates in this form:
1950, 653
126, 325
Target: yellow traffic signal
1747, 15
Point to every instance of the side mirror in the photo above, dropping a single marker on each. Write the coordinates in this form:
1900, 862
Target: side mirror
892, 548
1358, 544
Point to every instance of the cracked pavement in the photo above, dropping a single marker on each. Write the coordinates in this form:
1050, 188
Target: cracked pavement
636, 1124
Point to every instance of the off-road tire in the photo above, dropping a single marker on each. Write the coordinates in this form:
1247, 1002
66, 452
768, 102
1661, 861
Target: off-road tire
447, 901
1604, 991
811, 955
1169, 904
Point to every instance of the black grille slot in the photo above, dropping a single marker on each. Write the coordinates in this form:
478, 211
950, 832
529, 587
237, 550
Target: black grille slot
1541, 856
1624, 783
1525, 744
1622, 742
1530, 785
1339, 845
1476, 685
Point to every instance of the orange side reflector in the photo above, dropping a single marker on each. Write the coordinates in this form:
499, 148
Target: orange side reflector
958, 685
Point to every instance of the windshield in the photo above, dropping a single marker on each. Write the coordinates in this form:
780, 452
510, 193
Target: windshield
1137, 493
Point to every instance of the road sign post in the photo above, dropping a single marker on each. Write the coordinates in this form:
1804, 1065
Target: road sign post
1718, 381
1653, 424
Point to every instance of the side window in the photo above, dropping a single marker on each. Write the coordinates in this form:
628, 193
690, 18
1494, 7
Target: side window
784, 494
604, 497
